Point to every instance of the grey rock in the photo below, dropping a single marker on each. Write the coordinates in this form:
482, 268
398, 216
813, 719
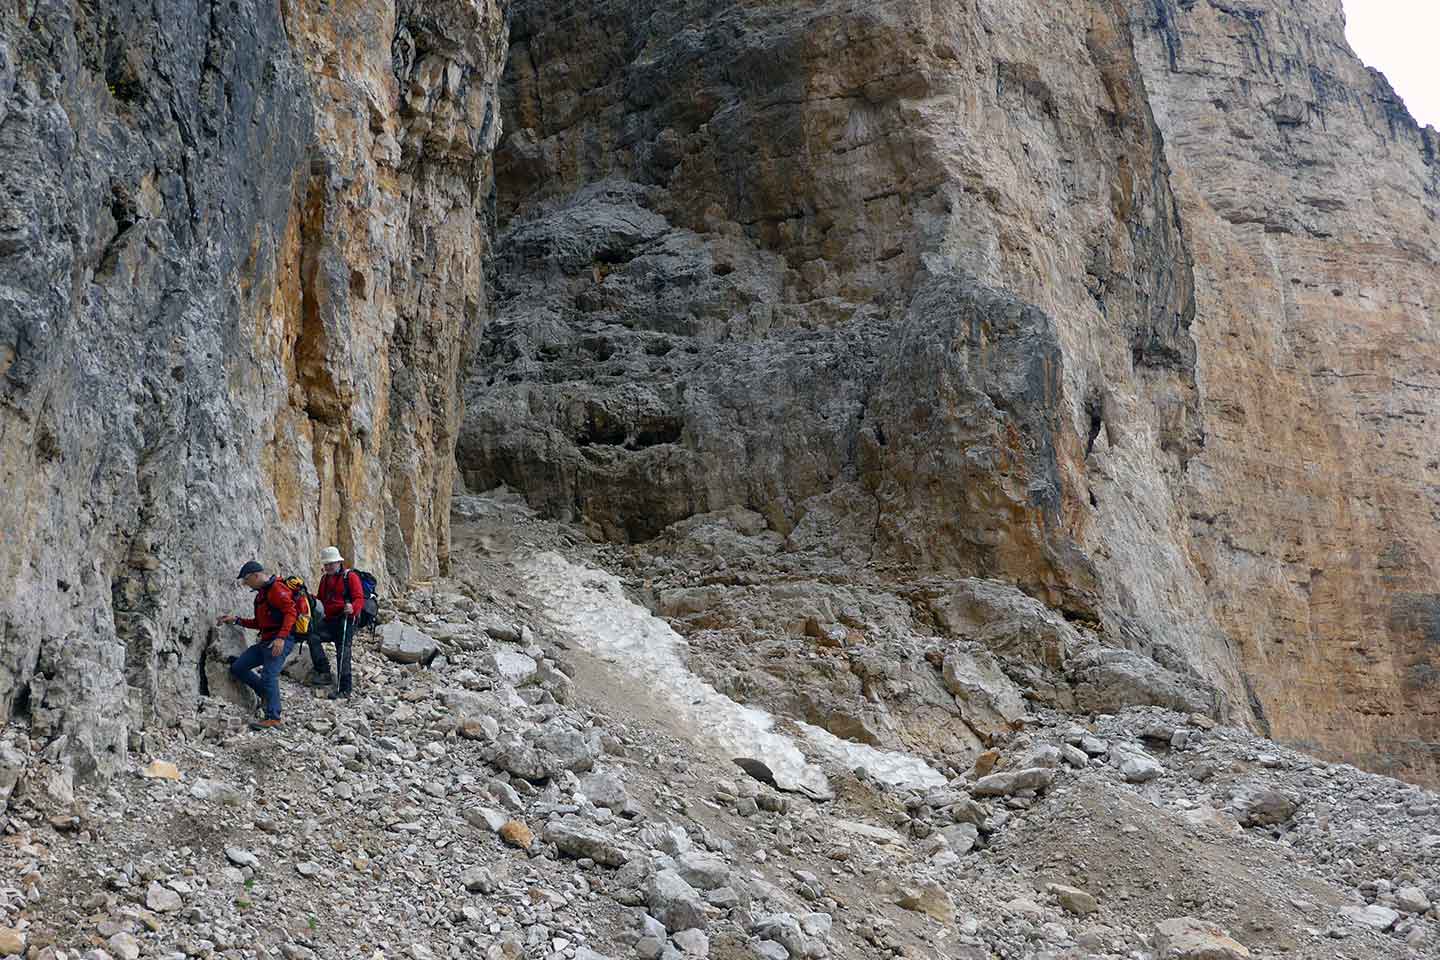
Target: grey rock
218, 791
406, 644
123, 946
816, 924
478, 880
242, 857
1258, 806
650, 927
1374, 916
1138, 767
1411, 900
1074, 900
569, 749
988, 700
578, 838
1005, 621
485, 817
162, 899
960, 837
786, 931
604, 788
1011, 782
1107, 680
703, 871
1186, 938
1044, 755
674, 902
692, 943
513, 667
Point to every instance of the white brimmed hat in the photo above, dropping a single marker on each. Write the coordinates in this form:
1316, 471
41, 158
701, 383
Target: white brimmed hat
331, 555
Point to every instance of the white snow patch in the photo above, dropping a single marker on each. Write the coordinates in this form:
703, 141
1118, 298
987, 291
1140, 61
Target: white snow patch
591, 607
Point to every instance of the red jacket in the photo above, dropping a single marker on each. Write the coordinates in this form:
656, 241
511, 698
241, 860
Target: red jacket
274, 611
333, 596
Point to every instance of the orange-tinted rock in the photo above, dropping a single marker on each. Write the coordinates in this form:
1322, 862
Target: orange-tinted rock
517, 834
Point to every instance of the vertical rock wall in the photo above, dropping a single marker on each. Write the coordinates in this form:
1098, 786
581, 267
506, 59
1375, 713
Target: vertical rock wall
241, 252
1311, 204
907, 279
1128, 302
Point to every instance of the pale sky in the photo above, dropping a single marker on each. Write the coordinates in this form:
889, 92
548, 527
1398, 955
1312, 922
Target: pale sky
1401, 39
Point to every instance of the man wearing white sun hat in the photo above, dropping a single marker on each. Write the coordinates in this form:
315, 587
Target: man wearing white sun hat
341, 597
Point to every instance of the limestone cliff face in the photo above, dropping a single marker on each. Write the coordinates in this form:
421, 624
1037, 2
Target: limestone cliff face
906, 279
1126, 302
241, 251
1311, 205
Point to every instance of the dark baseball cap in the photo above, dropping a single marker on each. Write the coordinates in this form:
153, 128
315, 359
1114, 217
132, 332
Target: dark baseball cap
251, 566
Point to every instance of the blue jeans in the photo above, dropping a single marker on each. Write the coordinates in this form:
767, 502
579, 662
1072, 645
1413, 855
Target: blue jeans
266, 683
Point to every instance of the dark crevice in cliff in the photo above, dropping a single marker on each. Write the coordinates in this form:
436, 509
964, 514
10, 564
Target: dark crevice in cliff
1168, 30
20, 701
1093, 408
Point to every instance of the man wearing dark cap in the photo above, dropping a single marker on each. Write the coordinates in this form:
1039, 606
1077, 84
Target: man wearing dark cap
275, 619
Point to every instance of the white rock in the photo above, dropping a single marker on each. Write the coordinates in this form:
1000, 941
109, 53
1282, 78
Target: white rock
1005, 784
1140, 768
242, 857
403, 643
124, 946
1411, 900
486, 817
1373, 916
1185, 938
162, 899
692, 943
513, 667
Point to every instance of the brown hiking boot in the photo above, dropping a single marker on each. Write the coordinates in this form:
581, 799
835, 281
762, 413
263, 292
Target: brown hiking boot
264, 724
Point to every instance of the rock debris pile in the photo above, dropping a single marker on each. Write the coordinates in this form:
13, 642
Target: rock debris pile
505, 794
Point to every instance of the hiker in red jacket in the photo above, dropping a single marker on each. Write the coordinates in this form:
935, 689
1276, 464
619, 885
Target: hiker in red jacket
275, 619
342, 598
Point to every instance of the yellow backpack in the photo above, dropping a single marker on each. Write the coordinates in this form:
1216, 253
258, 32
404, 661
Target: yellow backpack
303, 604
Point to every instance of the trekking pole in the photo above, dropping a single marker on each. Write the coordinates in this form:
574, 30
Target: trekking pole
342, 655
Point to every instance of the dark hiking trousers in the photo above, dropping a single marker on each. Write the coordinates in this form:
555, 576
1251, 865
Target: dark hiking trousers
332, 630
318, 661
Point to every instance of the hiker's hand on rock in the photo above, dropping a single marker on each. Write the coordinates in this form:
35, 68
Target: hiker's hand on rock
224, 620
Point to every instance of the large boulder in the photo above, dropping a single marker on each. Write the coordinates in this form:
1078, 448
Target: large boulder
227, 644
1109, 679
512, 666
575, 837
1256, 805
1186, 938
1005, 621
1013, 781
988, 700
674, 902
406, 644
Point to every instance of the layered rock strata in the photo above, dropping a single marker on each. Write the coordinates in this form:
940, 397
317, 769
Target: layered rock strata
1125, 303
906, 280
1311, 205
241, 253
